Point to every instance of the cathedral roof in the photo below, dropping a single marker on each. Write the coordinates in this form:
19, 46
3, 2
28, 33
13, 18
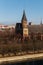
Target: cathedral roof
36, 28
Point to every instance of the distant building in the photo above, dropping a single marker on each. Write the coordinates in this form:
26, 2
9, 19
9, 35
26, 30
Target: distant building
27, 30
22, 27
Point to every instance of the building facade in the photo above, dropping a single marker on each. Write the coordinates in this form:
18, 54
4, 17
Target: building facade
28, 30
22, 27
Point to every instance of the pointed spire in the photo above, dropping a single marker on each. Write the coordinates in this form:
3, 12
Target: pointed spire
41, 21
24, 16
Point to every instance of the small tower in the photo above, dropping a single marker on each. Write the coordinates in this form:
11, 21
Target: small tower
24, 25
41, 22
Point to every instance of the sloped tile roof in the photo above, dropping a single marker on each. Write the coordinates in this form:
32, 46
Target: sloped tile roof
36, 28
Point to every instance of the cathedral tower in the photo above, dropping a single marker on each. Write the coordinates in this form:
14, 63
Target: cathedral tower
24, 25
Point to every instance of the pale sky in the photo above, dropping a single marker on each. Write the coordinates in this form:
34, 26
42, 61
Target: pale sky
11, 11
